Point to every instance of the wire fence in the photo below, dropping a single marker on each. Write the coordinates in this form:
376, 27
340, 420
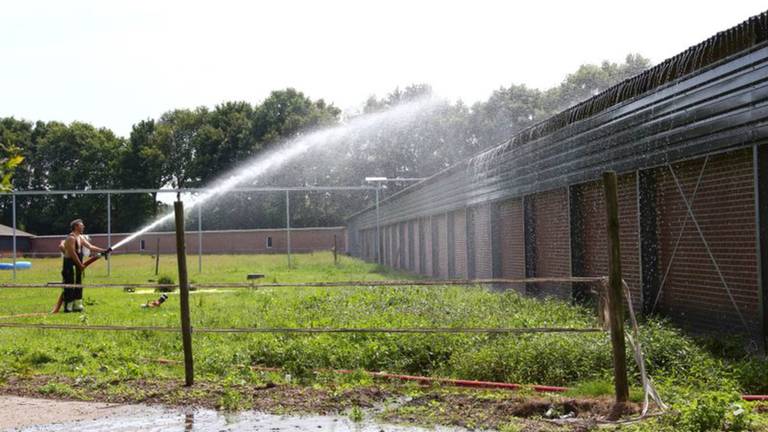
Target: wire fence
315, 330
601, 281
355, 283
445, 330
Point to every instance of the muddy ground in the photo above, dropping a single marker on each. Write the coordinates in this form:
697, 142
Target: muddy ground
473, 409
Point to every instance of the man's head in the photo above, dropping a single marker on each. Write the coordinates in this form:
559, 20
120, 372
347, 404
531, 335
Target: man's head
77, 226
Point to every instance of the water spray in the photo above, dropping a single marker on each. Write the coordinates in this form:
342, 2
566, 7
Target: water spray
259, 165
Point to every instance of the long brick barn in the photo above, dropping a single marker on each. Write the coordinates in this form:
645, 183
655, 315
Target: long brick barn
688, 138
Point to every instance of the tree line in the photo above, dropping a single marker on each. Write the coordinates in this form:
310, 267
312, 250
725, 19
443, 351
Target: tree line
192, 147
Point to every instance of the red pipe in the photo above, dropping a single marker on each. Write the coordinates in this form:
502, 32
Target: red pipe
431, 380
462, 383
755, 397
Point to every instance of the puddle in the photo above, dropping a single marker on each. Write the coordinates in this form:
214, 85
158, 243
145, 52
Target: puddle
174, 420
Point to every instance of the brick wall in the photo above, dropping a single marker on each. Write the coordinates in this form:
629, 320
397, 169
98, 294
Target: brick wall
595, 237
460, 244
220, 242
512, 240
551, 219
481, 241
440, 225
693, 293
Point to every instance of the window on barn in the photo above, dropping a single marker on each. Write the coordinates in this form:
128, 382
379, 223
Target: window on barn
143, 245
269, 242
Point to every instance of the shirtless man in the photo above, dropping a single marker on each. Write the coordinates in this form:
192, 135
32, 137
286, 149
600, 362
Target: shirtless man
73, 266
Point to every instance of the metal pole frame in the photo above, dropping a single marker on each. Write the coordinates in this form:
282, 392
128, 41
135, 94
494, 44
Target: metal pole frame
199, 238
288, 225
177, 191
378, 227
14, 235
183, 190
109, 231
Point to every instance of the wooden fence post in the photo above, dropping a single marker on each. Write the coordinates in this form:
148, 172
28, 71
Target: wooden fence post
186, 328
615, 303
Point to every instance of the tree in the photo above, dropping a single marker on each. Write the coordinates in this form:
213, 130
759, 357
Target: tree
58, 156
11, 132
192, 148
589, 80
286, 113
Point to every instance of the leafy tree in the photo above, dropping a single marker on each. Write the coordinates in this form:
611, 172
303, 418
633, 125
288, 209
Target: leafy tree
286, 113
191, 148
11, 132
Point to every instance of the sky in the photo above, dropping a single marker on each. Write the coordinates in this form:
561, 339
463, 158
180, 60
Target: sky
114, 63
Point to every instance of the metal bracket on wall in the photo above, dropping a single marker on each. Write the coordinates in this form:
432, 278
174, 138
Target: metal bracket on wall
682, 230
706, 244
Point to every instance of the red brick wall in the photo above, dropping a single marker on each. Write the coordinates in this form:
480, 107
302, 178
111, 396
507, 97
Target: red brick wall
724, 207
595, 238
442, 246
512, 241
460, 243
481, 241
220, 242
552, 241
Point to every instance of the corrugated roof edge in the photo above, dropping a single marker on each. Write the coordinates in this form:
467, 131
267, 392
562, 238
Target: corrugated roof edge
727, 43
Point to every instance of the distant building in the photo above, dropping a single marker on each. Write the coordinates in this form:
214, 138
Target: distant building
23, 240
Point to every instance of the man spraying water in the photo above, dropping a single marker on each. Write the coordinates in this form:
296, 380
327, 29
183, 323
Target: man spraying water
73, 266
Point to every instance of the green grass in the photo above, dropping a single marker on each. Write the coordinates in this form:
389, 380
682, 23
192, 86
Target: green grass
679, 364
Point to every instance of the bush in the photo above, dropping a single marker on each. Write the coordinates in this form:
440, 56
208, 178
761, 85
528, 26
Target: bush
165, 280
712, 411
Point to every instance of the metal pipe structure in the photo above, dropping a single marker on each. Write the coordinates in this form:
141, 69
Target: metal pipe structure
109, 231
288, 225
378, 229
14, 235
184, 190
177, 191
199, 238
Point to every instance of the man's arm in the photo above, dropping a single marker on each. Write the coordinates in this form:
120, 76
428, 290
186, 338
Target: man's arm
90, 246
69, 246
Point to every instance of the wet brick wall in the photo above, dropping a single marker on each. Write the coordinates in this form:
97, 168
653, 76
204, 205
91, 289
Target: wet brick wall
480, 225
551, 241
693, 292
592, 223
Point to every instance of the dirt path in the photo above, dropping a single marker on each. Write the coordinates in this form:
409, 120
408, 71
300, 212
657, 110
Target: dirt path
18, 412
